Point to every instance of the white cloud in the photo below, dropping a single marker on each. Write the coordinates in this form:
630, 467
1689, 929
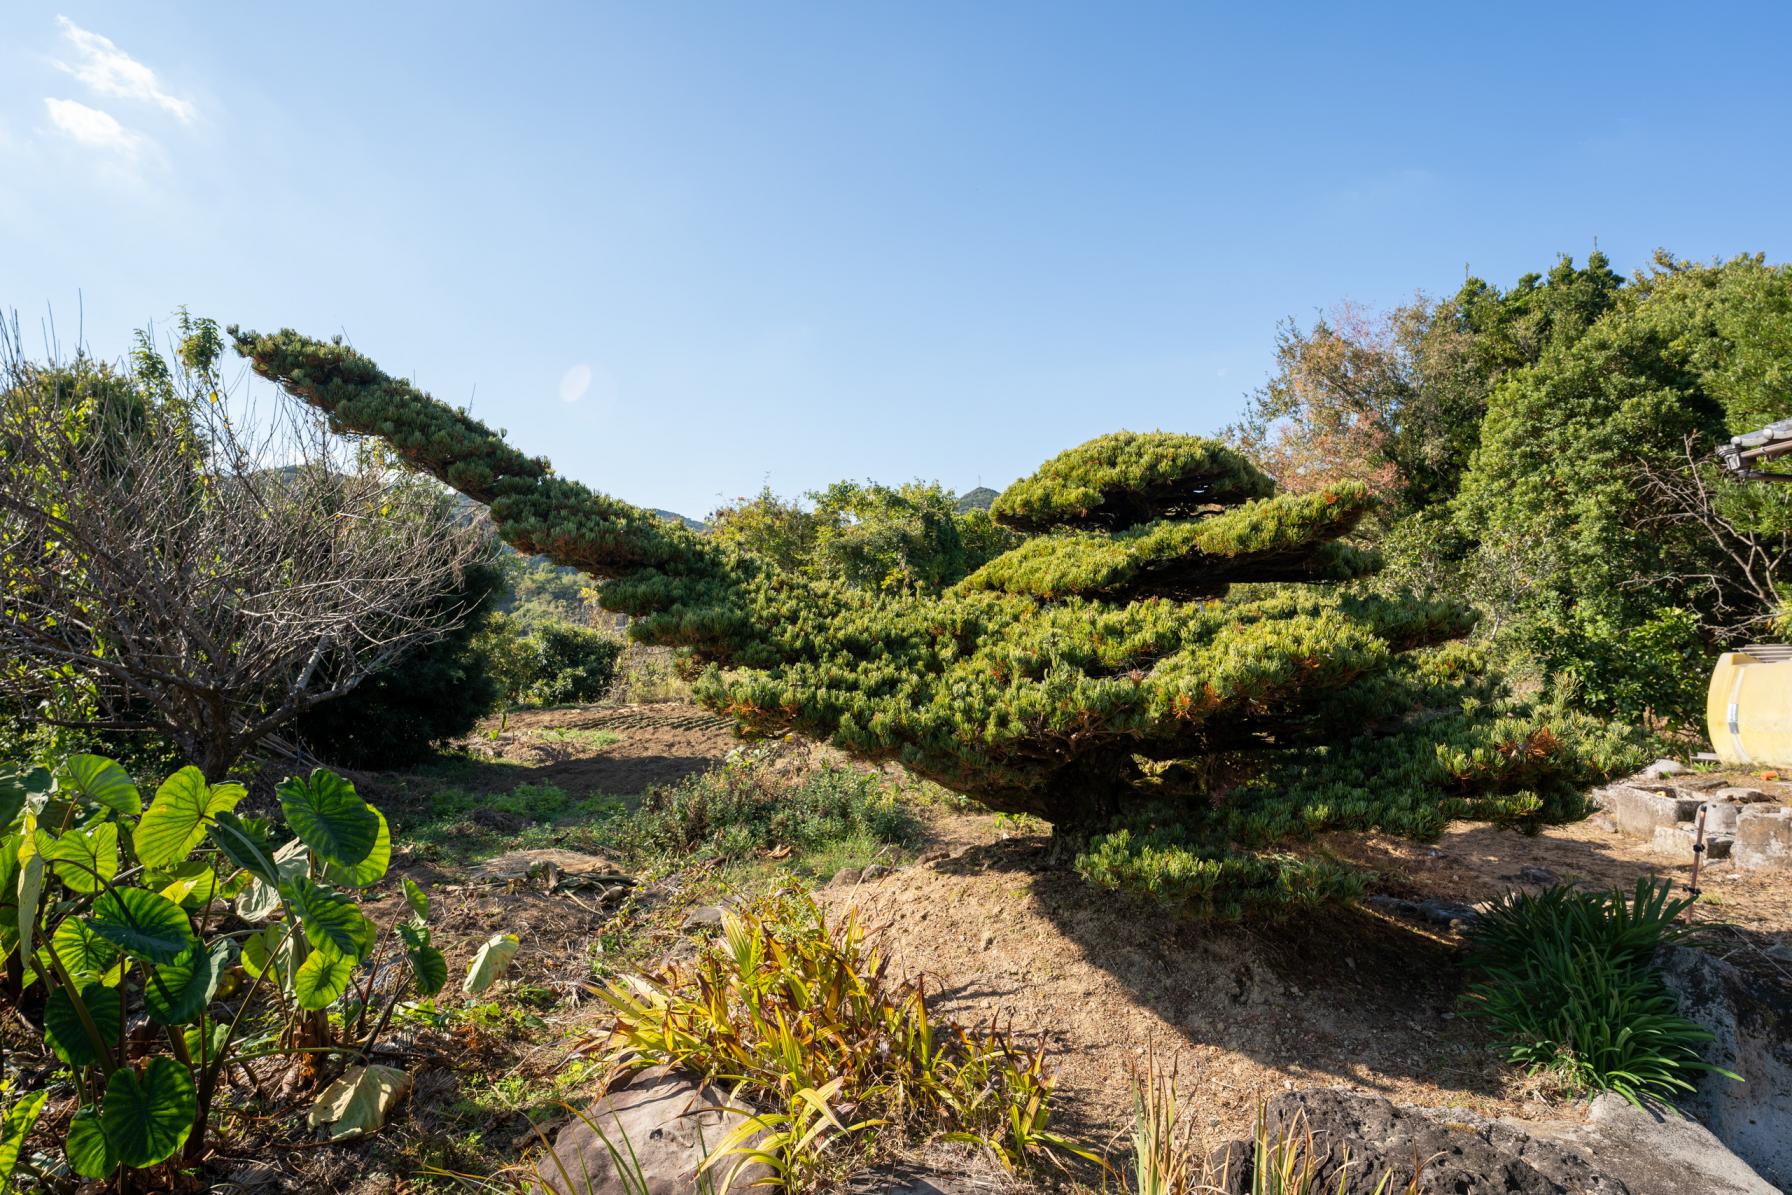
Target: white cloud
575, 382
91, 127
110, 71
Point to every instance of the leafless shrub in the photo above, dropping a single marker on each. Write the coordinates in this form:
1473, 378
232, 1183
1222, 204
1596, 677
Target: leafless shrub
192, 566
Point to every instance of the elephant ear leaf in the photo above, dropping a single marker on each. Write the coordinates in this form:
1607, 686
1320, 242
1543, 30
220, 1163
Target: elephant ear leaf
88, 1152
330, 920
359, 1102
142, 923
176, 993
146, 1119
14, 1128
429, 966
66, 1033
322, 978
371, 869
417, 898
491, 962
176, 819
101, 781
325, 812
245, 845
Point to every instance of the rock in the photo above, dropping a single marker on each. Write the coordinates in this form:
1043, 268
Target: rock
1462, 1152
1678, 840
1752, 1025
1740, 795
1435, 912
707, 917
1617, 1150
1638, 812
561, 868
1538, 875
1658, 1152
1663, 767
846, 877
669, 1121
1764, 837
1721, 817
875, 871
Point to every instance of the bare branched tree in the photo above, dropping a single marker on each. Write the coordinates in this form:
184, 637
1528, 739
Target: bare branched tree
1688, 494
201, 575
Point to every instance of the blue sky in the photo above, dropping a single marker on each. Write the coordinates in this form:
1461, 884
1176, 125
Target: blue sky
683, 249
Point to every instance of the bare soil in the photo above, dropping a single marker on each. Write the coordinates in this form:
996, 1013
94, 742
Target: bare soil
659, 744
996, 931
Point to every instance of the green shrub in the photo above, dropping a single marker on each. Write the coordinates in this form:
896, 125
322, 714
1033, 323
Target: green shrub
429, 697
549, 663
746, 806
1568, 986
111, 907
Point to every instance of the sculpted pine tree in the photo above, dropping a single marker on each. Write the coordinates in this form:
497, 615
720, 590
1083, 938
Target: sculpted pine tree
1096, 676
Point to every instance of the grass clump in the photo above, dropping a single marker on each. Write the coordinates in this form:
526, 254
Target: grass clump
1568, 984
797, 1014
748, 806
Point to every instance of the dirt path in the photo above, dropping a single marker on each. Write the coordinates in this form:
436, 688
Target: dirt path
656, 744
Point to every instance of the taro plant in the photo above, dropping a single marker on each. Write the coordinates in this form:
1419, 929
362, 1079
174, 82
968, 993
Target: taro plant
175, 940
828, 1059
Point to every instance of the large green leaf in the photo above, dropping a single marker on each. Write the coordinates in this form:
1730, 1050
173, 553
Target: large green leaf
178, 992
85, 953
359, 1102
418, 899
65, 1033
271, 948
12, 797
30, 891
146, 925
369, 870
428, 964
491, 962
101, 781
333, 821
176, 819
191, 885
14, 1128
83, 859
245, 844
330, 919
87, 1149
322, 978
146, 1119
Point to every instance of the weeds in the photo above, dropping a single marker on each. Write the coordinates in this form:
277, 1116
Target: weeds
797, 1017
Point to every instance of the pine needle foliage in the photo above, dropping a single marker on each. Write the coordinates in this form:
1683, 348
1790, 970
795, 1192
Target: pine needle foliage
1099, 672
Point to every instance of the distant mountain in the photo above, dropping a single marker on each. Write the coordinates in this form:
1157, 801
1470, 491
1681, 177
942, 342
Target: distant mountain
978, 499
673, 516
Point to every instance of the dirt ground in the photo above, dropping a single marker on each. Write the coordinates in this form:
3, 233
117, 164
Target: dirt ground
1350, 998
658, 744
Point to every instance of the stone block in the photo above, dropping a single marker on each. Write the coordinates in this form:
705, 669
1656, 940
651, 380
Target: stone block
1764, 837
1638, 813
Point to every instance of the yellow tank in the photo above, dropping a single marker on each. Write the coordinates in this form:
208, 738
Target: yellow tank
1749, 709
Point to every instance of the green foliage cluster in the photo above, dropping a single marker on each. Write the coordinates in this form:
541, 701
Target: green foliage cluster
912, 538
745, 807
112, 910
548, 662
1086, 710
1567, 982
429, 697
1544, 453
799, 1016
